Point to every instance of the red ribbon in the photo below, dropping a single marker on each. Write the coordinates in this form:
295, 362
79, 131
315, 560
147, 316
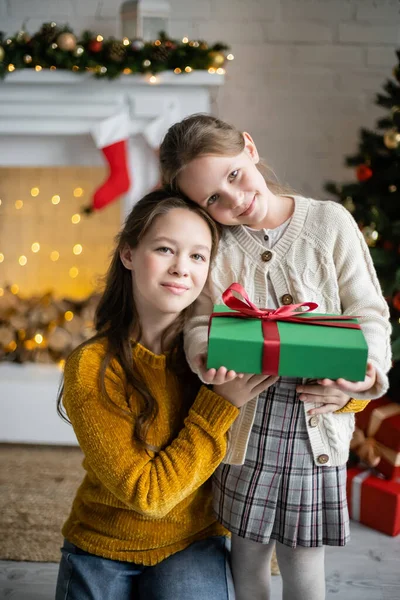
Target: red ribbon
269, 317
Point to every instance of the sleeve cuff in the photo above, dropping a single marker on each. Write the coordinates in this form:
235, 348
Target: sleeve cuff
216, 410
354, 405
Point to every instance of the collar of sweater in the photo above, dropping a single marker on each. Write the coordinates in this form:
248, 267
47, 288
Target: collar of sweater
251, 245
155, 361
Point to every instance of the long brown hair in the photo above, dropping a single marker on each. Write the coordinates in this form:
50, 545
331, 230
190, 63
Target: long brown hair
117, 320
199, 135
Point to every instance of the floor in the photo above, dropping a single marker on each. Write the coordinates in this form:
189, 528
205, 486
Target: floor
367, 569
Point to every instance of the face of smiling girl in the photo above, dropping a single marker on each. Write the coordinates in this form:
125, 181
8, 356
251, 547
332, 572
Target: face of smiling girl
230, 188
170, 265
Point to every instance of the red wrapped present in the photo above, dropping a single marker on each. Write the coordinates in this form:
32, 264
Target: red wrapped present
374, 501
379, 422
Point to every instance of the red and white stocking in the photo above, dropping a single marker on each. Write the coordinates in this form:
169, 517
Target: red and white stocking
111, 137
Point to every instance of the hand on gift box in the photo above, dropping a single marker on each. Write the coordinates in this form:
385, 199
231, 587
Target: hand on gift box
352, 387
214, 376
242, 389
332, 399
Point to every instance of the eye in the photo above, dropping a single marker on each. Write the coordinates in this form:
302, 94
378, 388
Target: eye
199, 258
233, 175
164, 250
212, 199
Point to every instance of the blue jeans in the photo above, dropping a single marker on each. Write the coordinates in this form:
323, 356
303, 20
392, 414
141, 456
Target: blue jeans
200, 572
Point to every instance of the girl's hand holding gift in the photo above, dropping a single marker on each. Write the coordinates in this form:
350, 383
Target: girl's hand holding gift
214, 376
331, 398
352, 387
244, 388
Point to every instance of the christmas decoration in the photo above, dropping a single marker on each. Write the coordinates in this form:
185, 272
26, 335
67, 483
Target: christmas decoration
391, 138
43, 329
95, 45
56, 46
217, 59
363, 173
66, 41
111, 137
374, 201
137, 45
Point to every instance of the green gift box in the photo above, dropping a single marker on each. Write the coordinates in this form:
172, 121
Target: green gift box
299, 349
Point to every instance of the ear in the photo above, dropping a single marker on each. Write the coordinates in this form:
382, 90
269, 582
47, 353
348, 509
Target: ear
250, 147
126, 256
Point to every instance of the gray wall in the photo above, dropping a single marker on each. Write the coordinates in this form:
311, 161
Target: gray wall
304, 76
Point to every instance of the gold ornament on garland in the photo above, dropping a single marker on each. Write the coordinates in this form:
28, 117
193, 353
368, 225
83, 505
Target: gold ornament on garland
217, 59
66, 41
391, 139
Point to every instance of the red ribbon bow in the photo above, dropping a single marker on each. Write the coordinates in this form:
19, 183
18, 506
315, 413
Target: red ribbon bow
269, 317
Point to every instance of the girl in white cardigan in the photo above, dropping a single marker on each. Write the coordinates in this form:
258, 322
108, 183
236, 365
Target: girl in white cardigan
284, 481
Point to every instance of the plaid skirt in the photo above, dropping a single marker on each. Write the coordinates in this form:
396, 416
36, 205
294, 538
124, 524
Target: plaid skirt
279, 493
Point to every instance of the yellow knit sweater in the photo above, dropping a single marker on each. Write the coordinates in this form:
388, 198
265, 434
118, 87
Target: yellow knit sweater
135, 505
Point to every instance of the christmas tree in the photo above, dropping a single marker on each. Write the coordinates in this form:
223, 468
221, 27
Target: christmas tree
374, 201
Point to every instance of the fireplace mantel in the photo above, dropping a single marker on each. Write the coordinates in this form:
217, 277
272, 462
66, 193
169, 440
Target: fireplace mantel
46, 119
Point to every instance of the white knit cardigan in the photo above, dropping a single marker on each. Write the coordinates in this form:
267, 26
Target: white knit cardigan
322, 257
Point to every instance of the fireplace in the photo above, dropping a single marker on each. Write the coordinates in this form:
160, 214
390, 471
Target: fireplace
46, 121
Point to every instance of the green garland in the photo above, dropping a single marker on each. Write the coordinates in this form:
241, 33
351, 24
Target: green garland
54, 47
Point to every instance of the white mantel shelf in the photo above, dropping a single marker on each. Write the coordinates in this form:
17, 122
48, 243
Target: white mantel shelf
48, 104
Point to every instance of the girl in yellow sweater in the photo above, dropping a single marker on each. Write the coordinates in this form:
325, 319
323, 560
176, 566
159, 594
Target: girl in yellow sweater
141, 525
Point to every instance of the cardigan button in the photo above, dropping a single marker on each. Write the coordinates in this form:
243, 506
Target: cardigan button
323, 459
287, 299
266, 256
313, 422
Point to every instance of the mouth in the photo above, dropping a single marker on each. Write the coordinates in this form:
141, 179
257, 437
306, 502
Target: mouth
249, 208
175, 288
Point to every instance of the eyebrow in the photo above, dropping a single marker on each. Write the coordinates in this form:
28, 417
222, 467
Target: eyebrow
161, 239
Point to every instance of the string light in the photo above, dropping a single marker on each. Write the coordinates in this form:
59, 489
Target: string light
14, 289
35, 247
38, 338
22, 260
77, 249
221, 71
69, 315
185, 40
78, 192
188, 69
0, 201
18, 204
38, 68
54, 255
56, 199
99, 38
230, 57
11, 68
1, 292
75, 218
1, 257
34, 192
153, 79
211, 70
125, 41
73, 272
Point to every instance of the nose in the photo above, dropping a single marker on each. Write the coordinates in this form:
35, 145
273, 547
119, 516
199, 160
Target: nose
234, 198
179, 267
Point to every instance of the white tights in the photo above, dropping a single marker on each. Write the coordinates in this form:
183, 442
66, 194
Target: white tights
302, 569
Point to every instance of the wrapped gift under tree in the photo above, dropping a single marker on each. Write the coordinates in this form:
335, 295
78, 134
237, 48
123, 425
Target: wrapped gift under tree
284, 341
373, 500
